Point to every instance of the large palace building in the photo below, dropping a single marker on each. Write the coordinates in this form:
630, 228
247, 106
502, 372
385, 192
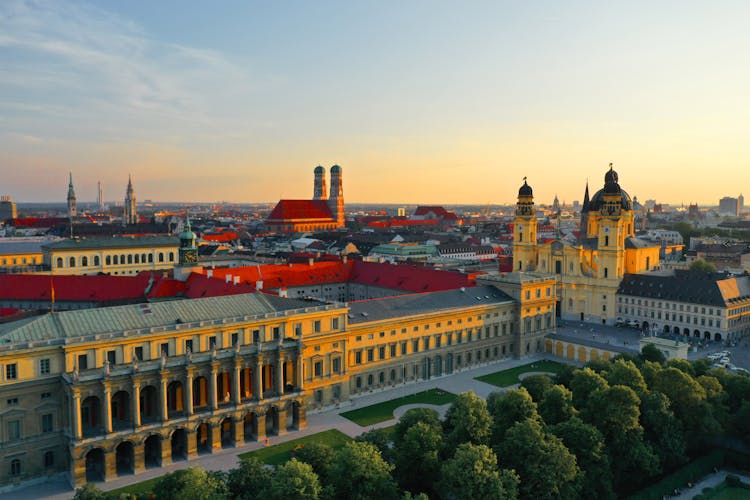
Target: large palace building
589, 270
98, 393
322, 213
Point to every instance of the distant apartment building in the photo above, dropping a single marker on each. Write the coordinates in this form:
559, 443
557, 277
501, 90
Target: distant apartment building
7, 208
729, 206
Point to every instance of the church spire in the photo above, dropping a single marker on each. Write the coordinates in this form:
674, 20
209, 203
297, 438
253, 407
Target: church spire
72, 209
584, 226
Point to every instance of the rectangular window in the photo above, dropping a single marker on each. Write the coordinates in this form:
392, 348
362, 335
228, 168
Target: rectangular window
403, 348
316, 326
381, 352
393, 350
336, 365
335, 323
370, 355
235, 339
11, 371
47, 422
46, 395
415, 346
139, 353
44, 366
49, 459
14, 430
83, 362
358, 357
189, 345
426, 343
298, 329
164, 349
111, 357
318, 368
13, 402
211, 342
256, 336
437, 341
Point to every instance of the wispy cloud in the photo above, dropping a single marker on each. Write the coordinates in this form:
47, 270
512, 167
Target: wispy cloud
75, 70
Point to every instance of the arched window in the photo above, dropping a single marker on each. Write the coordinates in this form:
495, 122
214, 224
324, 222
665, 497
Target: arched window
606, 241
130, 258
150, 258
171, 256
606, 272
116, 260
122, 259
72, 262
143, 258
84, 261
59, 262
161, 257
96, 260
137, 259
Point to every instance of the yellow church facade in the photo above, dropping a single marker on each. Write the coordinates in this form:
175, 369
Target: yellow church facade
588, 270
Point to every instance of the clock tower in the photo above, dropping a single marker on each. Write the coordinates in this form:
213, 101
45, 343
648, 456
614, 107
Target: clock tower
524, 231
188, 254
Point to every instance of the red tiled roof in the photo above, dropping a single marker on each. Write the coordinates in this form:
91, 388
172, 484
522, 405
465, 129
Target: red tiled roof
439, 211
222, 237
301, 209
198, 286
286, 275
84, 288
408, 277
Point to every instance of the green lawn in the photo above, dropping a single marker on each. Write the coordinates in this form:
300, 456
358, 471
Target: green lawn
381, 412
730, 493
506, 378
280, 453
136, 488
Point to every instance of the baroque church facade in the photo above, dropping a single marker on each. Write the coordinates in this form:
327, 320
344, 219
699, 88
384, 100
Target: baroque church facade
589, 270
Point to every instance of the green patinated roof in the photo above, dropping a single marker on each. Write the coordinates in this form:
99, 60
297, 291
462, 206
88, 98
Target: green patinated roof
116, 320
113, 243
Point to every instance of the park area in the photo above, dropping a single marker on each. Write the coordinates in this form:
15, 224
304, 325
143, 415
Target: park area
511, 376
381, 412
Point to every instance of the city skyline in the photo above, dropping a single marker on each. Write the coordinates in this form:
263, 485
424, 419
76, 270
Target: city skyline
420, 102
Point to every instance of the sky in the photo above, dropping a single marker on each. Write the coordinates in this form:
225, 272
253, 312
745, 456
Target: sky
419, 101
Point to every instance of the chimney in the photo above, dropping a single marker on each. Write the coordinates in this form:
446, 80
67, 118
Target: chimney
236, 280
228, 278
311, 261
210, 273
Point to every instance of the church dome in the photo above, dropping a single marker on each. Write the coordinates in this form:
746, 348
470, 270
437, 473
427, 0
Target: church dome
319, 170
611, 187
525, 190
335, 169
187, 233
611, 176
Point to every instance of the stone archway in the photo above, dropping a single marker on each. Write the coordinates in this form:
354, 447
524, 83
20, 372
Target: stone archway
203, 437
666, 328
175, 399
227, 433
120, 406
250, 428
179, 445
200, 392
717, 336
152, 451
91, 416
95, 465
272, 421
124, 458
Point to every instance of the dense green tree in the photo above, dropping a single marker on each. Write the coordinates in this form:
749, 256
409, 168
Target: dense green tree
536, 385
663, 430
417, 457
649, 370
626, 373
472, 474
192, 483
359, 472
565, 375
741, 422
294, 480
737, 388
652, 353
587, 444
411, 417
545, 466
556, 405
381, 439
507, 408
598, 365
614, 410
683, 365
583, 384
701, 366
467, 420
701, 266
90, 491
318, 455
247, 481
633, 460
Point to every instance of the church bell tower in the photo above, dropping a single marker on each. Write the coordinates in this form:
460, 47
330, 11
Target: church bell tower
524, 231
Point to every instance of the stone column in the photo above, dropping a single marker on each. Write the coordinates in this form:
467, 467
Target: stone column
215, 436
260, 428
279, 382
236, 383
110, 465
107, 409
136, 406
78, 471
77, 430
164, 409
139, 458
258, 378
192, 443
239, 431
166, 451
212, 387
299, 379
302, 417
282, 421
188, 392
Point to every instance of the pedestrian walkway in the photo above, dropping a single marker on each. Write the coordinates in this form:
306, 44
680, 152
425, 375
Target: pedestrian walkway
317, 421
710, 481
